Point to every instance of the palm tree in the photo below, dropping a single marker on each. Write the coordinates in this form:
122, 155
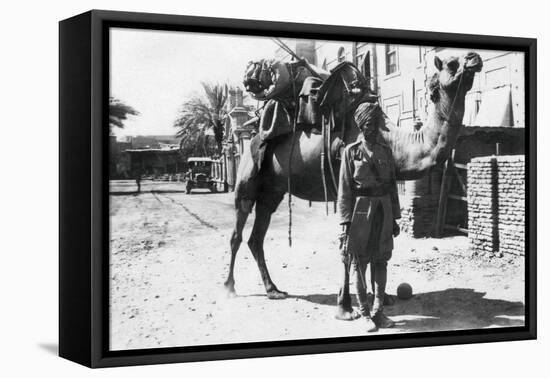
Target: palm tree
119, 112
202, 115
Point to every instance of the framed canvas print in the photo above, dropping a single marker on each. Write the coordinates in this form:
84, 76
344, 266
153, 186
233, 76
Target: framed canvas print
234, 188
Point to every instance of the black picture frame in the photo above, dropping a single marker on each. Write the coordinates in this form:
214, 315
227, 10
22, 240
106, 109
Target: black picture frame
83, 196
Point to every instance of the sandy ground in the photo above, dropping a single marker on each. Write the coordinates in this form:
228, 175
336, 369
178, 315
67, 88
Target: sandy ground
169, 259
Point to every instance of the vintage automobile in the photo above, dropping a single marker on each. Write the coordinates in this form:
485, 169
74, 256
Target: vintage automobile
199, 174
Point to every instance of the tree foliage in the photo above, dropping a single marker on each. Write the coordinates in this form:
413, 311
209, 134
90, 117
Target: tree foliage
200, 117
119, 112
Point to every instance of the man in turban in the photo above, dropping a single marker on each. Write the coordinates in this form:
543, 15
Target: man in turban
368, 208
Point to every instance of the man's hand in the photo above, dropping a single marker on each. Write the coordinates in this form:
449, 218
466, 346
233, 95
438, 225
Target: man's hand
396, 229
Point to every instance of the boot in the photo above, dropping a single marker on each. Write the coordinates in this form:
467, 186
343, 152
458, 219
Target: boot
366, 314
377, 314
370, 324
362, 298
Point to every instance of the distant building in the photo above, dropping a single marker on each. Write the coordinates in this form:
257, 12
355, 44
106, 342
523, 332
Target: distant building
238, 133
303, 48
121, 164
150, 141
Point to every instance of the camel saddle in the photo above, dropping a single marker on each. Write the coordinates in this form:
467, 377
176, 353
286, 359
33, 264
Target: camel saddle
345, 88
334, 99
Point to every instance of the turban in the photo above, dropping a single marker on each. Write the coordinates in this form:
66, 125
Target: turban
367, 115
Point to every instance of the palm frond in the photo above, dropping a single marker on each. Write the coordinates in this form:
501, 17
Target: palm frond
119, 112
203, 113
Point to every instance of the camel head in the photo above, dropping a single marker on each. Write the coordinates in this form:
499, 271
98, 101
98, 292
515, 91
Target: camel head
454, 77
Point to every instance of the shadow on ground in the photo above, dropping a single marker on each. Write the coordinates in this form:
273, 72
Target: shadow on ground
51, 348
445, 309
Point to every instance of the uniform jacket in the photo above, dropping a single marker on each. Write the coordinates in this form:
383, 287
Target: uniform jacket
361, 175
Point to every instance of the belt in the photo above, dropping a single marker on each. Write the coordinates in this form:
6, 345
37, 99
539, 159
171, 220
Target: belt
374, 192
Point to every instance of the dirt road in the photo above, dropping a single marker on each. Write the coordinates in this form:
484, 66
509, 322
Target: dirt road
169, 259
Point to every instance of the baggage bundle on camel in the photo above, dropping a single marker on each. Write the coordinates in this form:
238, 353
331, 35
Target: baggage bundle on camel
301, 97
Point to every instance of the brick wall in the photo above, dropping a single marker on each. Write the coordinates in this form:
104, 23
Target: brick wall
419, 201
511, 199
496, 205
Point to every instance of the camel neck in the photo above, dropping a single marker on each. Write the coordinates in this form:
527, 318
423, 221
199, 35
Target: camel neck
444, 125
417, 151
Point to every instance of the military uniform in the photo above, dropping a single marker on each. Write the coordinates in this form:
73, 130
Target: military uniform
368, 183
369, 205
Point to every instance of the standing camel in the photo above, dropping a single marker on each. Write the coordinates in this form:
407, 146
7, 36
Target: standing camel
415, 152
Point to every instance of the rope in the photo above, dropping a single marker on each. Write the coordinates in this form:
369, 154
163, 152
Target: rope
332, 174
447, 117
293, 142
323, 178
455, 97
289, 51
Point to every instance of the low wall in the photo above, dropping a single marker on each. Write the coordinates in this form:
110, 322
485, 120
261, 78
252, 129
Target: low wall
496, 205
419, 201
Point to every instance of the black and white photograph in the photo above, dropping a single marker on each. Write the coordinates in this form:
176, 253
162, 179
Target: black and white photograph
276, 189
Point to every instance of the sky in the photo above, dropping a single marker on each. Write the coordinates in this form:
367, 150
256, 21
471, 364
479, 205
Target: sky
155, 71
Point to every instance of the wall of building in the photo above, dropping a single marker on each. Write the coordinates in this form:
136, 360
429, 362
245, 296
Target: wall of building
496, 205
495, 100
402, 93
330, 53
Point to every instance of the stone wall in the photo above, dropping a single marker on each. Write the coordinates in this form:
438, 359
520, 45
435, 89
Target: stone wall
419, 201
496, 205
511, 200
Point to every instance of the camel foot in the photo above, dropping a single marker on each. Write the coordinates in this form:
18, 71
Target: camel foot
347, 314
230, 290
276, 294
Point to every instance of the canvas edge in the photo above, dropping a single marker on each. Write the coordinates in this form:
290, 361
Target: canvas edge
96, 354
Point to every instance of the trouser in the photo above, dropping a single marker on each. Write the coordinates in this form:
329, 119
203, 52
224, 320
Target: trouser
380, 277
379, 268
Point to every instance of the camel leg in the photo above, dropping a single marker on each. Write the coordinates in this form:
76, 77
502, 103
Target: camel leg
344, 310
244, 208
264, 208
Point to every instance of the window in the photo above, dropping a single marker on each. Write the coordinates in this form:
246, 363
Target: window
420, 54
341, 54
391, 59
